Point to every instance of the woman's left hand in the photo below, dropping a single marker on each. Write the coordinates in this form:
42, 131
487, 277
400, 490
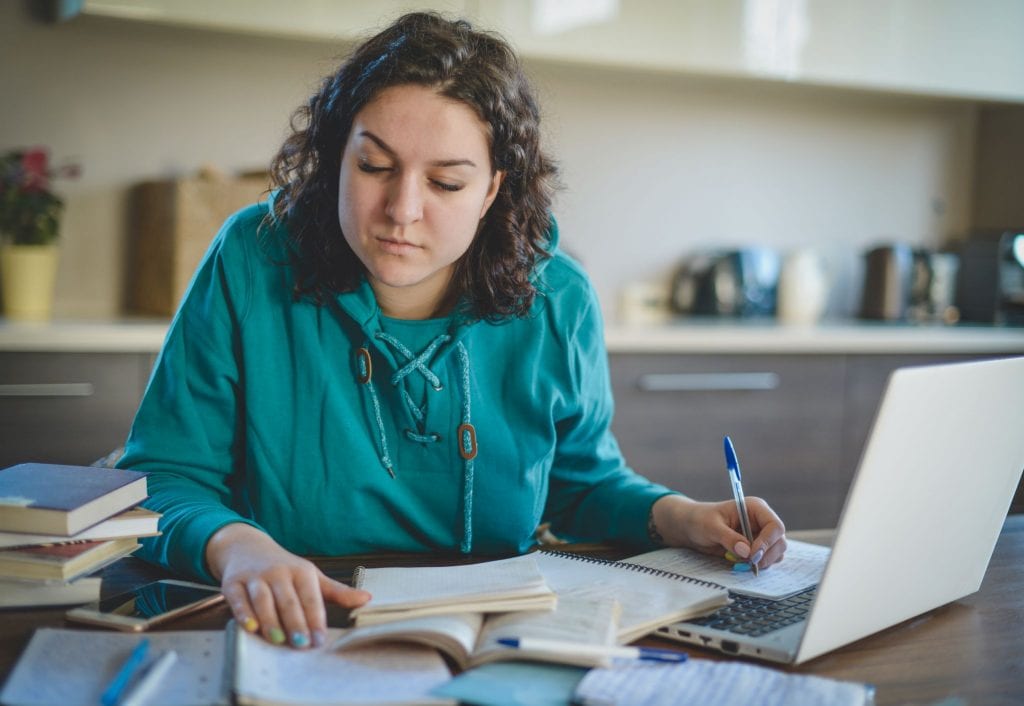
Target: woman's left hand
714, 528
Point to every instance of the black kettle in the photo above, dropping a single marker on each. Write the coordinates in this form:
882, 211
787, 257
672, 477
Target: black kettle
888, 276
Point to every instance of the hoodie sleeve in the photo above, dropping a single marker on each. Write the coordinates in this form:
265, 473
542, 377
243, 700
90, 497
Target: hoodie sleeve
188, 431
593, 494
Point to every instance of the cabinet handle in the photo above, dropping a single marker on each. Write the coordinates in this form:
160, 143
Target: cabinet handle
54, 389
707, 382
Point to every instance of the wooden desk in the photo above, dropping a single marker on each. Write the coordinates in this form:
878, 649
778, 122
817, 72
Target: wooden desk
972, 649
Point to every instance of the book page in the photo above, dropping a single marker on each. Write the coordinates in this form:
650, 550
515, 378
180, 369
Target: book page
647, 601
579, 618
75, 666
454, 634
268, 674
409, 587
800, 568
701, 681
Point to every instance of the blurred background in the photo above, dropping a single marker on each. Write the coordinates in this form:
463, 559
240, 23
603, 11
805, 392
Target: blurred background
731, 166
684, 128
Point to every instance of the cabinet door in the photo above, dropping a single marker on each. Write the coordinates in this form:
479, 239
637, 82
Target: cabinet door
67, 407
784, 414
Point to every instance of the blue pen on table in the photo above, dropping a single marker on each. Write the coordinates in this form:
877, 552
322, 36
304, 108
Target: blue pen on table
150, 682
577, 648
733, 466
131, 665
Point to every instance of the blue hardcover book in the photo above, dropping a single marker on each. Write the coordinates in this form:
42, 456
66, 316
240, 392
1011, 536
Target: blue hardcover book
64, 500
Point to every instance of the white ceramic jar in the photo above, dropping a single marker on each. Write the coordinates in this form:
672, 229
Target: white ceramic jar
803, 288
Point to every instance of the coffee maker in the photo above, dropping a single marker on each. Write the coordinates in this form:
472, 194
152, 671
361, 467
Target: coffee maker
902, 283
740, 283
990, 286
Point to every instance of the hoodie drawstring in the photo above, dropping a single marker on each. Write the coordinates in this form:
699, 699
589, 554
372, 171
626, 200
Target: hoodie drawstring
466, 432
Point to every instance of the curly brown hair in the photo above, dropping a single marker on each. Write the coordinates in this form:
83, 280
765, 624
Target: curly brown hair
492, 280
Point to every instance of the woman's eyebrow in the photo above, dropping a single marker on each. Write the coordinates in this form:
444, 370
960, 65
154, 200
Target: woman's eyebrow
438, 163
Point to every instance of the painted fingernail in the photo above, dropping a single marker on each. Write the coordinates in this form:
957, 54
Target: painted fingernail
729, 556
300, 639
250, 625
741, 549
742, 566
277, 636
319, 638
757, 557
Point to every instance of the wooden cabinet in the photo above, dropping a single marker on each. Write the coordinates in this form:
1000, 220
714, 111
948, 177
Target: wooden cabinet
784, 414
799, 423
68, 407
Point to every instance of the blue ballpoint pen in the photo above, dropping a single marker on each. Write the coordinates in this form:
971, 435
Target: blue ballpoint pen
733, 465
128, 669
653, 654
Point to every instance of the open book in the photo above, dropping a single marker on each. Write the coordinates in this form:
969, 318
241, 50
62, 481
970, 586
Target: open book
649, 598
264, 674
505, 585
471, 639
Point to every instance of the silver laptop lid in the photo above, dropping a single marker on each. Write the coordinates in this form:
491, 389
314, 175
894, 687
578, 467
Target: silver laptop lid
928, 501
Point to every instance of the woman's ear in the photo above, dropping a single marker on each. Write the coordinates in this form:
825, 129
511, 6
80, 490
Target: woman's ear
492, 192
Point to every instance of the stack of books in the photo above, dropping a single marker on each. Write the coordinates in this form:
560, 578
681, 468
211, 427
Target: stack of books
59, 524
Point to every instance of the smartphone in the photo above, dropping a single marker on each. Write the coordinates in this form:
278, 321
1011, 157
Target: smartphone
147, 605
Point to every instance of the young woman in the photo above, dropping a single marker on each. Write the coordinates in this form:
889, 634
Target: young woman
393, 353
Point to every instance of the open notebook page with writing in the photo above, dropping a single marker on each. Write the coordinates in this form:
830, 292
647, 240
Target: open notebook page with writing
702, 681
801, 567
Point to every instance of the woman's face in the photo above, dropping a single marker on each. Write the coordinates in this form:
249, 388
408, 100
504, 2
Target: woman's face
416, 180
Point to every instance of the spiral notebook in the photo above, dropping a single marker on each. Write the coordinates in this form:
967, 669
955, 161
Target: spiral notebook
650, 598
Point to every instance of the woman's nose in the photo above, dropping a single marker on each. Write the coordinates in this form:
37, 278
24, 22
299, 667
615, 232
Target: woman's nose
405, 202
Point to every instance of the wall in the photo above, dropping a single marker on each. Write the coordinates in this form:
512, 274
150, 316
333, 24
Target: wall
655, 165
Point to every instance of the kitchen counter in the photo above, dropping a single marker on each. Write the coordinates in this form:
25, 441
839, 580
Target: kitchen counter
715, 336
147, 335
81, 336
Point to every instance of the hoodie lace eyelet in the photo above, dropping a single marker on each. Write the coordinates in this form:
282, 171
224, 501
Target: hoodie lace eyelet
465, 436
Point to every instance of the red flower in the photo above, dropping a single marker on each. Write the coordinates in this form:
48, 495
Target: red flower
34, 167
29, 211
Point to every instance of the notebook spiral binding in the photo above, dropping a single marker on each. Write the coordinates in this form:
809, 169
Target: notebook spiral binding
635, 567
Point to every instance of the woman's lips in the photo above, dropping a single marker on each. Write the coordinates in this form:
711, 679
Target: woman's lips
396, 247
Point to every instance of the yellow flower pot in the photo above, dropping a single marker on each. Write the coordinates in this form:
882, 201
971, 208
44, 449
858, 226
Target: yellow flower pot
28, 277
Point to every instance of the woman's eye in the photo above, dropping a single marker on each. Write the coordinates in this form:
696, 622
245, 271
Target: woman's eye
372, 168
445, 186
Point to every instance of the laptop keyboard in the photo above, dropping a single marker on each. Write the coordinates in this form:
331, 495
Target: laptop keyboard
754, 617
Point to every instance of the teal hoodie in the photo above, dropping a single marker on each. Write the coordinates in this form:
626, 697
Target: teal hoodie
337, 430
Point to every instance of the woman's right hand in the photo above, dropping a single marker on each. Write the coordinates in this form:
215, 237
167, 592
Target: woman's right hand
273, 591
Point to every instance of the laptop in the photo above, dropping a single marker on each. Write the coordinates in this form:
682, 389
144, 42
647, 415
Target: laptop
919, 525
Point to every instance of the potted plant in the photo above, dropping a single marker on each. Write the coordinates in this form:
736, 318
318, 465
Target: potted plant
29, 229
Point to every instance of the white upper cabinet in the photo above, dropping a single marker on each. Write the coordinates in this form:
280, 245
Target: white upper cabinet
958, 48
304, 19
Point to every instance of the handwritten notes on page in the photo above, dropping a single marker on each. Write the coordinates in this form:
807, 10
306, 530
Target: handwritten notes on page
802, 567
701, 681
